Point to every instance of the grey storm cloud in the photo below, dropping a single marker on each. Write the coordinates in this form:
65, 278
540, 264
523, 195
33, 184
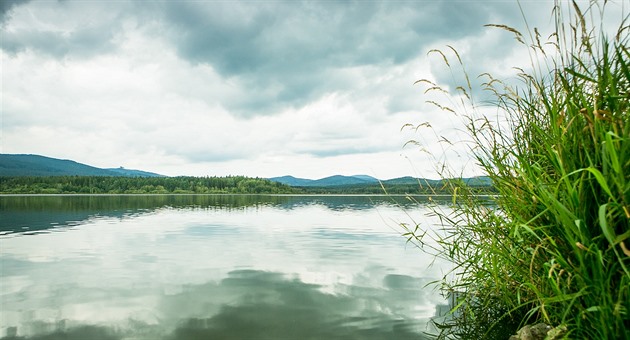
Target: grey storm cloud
62, 29
6, 6
277, 54
287, 38
287, 54
86, 42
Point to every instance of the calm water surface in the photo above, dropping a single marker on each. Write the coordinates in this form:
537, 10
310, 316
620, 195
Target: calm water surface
212, 267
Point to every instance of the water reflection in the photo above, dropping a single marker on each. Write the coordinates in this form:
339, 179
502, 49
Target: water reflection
200, 267
275, 307
75, 333
251, 304
33, 214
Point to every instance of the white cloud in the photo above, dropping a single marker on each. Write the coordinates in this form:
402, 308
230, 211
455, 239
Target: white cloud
313, 89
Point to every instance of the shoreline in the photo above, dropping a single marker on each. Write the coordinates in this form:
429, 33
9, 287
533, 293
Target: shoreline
237, 194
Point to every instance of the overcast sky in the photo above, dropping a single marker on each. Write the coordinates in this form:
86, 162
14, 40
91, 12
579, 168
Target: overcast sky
257, 88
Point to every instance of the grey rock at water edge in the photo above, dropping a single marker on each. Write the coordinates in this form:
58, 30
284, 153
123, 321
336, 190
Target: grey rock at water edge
540, 331
536, 332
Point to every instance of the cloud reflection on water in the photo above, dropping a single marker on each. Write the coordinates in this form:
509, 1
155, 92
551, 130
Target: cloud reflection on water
224, 270
252, 304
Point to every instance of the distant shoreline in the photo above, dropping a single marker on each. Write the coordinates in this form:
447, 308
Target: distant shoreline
237, 194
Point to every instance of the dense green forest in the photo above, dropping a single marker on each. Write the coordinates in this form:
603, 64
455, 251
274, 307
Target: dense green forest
201, 185
141, 185
394, 189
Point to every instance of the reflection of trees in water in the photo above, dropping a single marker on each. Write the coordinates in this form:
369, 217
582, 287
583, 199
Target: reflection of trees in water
126, 202
33, 213
28, 214
251, 304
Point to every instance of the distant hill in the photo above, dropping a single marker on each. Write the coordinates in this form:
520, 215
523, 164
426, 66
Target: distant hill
337, 180
17, 165
478, 181
133, 173
364, 180
12, 165
292, 181
408, 180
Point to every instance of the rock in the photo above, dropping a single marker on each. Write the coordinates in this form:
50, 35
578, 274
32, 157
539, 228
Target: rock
556, 333
536, 332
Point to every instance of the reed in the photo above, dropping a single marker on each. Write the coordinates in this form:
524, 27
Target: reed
555, 247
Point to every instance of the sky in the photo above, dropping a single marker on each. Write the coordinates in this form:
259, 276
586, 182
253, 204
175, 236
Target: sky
255, 88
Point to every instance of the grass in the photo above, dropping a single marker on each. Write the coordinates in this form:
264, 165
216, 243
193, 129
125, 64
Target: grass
556, 246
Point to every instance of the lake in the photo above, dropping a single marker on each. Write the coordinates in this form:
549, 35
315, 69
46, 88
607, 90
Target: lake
213, 267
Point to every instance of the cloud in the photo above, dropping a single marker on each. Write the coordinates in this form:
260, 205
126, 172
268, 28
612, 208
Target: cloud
63, 29
6, 6
85, 42
274, 55
162, 85
490, 49
286, 54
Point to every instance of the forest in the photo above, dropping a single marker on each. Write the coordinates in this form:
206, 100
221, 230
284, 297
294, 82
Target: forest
141, 185
441, 188
205, 185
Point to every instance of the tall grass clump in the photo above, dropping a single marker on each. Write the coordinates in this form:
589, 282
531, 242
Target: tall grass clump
555, 248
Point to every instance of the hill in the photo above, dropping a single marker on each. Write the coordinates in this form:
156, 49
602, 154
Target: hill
16, 165
21, 165
332, 181
361, 184
292, 181
408, 180
133, 173
339, 180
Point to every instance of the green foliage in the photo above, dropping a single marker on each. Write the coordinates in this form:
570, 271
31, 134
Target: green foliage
201, 185
555, 248
393, 189
141, 185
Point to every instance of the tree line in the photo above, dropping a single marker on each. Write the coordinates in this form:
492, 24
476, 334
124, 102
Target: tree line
141, 185
396, 189
202, 185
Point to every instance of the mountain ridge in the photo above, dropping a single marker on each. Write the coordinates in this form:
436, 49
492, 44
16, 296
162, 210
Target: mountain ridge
358, 180
19, 165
